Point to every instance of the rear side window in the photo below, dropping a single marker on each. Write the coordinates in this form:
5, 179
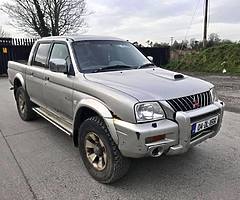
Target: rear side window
41, 55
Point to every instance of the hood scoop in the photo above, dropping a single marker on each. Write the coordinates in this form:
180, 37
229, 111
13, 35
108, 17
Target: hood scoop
178, 76
167, 75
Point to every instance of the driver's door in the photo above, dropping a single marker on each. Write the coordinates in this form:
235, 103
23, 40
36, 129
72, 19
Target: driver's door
58, 92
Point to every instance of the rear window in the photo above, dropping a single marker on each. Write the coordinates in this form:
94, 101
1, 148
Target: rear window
41, 55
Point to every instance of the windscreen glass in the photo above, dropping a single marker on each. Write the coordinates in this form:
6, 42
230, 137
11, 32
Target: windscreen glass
94, 55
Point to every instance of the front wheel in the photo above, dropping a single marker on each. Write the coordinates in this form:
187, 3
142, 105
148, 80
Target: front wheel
99, 152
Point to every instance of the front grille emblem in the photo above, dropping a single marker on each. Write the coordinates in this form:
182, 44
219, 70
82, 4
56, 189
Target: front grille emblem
195, 103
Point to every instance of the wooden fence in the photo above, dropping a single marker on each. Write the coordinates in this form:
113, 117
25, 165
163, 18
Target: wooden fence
14, 49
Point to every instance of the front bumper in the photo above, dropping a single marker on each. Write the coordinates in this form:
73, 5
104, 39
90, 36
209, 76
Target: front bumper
178, 138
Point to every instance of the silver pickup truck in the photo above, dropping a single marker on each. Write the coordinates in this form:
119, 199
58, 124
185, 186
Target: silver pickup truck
113, 101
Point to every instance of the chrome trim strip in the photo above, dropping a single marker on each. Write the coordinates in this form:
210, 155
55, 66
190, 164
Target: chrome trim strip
187, 103
54, 121
180, 100
174, 100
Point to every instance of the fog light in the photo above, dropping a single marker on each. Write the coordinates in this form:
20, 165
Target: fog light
155, 138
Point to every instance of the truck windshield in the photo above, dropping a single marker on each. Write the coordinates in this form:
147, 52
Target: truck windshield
97, 56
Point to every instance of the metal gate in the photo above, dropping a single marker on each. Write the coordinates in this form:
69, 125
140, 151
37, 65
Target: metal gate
161, 55
13, 49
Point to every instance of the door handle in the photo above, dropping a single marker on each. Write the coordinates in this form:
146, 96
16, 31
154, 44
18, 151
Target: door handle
47, 78
31, 73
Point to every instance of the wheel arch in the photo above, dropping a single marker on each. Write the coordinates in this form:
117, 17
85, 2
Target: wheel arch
18, 82
88, 108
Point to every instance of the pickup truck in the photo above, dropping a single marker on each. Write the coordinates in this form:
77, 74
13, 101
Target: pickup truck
113, 101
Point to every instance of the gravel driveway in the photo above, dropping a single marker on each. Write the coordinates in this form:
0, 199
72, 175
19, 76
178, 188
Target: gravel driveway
228, 89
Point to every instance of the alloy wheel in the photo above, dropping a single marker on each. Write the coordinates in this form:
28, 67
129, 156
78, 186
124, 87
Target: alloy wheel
95, 151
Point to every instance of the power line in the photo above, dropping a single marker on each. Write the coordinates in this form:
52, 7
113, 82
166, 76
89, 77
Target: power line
190, 25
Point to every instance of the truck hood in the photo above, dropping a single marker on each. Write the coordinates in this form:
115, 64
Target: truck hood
150, 84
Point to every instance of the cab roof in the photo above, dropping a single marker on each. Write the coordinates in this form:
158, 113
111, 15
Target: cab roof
80, 38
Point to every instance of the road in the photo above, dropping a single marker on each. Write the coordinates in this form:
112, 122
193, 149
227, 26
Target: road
38, 161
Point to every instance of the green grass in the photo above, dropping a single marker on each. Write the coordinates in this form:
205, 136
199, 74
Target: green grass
210, 60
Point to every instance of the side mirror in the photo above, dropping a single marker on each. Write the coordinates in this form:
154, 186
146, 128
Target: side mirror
150, 58
58, 65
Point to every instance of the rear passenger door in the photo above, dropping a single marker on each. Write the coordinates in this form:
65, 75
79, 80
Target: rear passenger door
58, 92
35, 73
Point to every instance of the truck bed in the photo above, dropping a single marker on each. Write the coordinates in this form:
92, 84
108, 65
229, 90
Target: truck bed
16, 67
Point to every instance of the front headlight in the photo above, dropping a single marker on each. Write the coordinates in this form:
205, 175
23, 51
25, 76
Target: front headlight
148, 111
214, 94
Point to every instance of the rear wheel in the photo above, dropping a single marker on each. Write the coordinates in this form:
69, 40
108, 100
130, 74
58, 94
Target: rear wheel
99, 152
24, 105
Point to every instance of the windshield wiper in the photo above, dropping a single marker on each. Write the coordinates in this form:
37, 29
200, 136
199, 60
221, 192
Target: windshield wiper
146, 65
112, 67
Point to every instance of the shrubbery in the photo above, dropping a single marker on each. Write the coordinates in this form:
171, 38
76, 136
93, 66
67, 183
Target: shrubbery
214, 60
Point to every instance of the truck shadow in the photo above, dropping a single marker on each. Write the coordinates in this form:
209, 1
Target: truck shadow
185, 170
178, 177
169, 173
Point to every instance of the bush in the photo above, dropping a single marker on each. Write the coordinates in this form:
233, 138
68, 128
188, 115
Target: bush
213, 60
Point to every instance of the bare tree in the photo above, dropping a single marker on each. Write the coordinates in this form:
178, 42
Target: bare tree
3, 33
214, 37
213, 40
149, 43
47, 17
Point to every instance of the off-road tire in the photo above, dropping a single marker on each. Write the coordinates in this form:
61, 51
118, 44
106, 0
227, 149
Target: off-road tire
26, 114
116, 165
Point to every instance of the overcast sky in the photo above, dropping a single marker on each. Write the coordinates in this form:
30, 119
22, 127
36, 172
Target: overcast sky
157, 20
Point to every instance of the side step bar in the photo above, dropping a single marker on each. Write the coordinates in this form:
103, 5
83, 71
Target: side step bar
55, 120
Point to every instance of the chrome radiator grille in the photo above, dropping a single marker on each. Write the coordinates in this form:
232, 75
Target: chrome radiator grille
191, 102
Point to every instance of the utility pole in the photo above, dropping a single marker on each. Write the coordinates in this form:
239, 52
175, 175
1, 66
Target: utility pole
205, 25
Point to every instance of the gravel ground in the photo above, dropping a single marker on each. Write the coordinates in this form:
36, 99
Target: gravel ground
228, 89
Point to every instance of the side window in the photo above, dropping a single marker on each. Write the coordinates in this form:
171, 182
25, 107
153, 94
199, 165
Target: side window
41, 55
59, 51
